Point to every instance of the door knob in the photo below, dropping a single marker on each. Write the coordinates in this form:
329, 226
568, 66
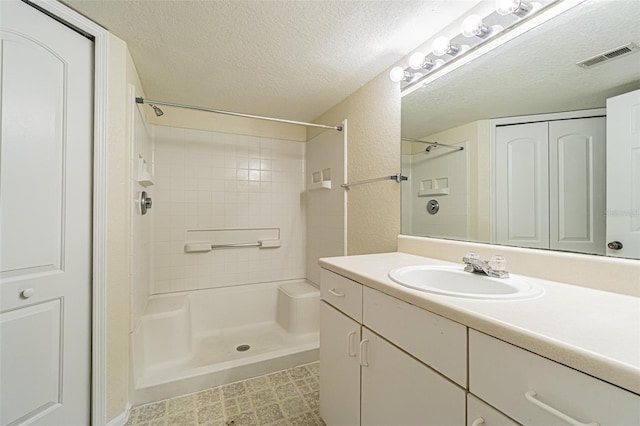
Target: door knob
615, 245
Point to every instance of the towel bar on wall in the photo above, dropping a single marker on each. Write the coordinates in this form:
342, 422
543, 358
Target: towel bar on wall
397, 177
200, 247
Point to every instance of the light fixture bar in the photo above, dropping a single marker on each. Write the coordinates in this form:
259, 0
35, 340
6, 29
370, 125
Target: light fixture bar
140, 100
503, 29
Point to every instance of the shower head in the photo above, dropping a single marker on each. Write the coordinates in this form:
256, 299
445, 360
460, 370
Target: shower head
157, 110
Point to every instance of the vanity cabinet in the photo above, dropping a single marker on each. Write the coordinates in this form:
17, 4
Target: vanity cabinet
376, 374
384, 361
534, 390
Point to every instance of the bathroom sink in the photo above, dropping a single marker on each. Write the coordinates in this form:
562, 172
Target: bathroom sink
454, 281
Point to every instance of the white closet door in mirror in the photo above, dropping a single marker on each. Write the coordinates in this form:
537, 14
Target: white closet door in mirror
577, 185
522, 185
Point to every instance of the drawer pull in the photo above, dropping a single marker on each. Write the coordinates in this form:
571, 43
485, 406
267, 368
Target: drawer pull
531, 397
335, 293
349, 340
364, 361
477, 422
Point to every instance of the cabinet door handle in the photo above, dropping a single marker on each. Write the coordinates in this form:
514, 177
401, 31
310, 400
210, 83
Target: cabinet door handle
335, 293
531, 397
364, 356
477, 422
349, 346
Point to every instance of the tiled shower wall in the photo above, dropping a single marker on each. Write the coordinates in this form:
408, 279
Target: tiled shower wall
211, 180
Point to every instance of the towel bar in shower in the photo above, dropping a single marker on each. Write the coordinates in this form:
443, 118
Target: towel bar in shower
397, 177
199, 247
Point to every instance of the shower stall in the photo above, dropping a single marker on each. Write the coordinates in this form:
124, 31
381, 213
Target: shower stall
220, 261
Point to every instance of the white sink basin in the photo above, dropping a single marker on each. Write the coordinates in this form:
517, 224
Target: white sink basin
454, 281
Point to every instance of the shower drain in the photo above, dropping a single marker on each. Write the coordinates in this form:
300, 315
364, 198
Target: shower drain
243, 348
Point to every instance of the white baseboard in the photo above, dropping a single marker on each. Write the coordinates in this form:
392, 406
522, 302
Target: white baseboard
122, 419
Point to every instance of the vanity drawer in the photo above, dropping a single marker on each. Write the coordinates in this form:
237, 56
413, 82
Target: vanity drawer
342, 293
434, 340
534, 390
481, 414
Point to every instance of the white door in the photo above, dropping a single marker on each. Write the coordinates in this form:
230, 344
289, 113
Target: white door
623, 175
45, 219
399, 390
339, 368
577, 185
522, 185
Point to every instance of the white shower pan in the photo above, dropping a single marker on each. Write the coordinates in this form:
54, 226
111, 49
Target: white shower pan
190, 341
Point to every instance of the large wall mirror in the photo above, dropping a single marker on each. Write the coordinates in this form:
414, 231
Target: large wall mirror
550, 152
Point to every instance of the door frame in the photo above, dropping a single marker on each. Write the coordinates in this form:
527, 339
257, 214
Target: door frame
99, 215
524, 119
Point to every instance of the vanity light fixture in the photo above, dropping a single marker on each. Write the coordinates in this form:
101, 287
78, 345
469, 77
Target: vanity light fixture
419, 61
517, 7
473, 26
442, 46
398, 74
476, 31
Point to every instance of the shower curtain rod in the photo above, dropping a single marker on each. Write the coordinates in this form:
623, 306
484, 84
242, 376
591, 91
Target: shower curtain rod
140, 100
455, 148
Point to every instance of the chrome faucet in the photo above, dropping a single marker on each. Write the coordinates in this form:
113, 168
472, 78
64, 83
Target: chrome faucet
494, 268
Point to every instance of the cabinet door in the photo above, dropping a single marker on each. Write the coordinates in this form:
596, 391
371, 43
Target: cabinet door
577, 185
339, 368
399, 390
522, 185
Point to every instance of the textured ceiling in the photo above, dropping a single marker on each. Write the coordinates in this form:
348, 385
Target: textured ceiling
290, 59
536, 72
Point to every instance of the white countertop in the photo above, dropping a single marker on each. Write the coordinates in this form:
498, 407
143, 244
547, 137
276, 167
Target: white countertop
593, 331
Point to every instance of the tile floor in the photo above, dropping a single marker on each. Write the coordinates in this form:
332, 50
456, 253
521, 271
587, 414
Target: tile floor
288, 397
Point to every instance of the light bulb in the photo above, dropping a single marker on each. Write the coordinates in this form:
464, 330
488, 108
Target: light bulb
473, 26
442, 46
398, 74
517, 7
418, 61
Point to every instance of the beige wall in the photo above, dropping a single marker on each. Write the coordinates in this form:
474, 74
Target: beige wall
122, 73
373, 150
